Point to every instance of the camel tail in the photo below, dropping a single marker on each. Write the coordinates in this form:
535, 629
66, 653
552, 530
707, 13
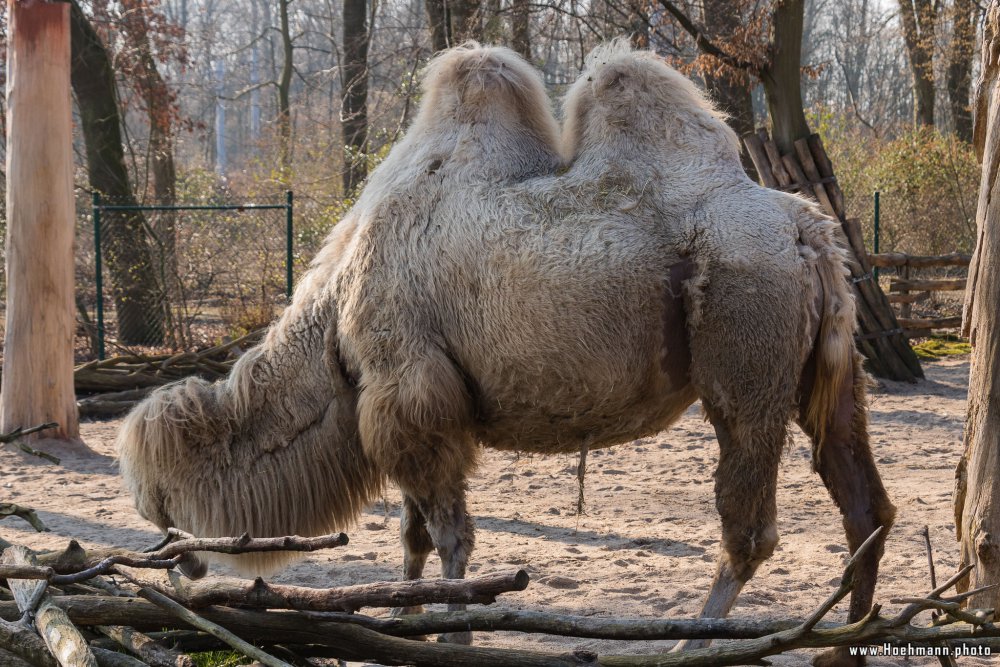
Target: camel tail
834, 349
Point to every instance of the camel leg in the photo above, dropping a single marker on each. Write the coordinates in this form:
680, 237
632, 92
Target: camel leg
846, 465
417, 545
452, 532
745, 486
432, 479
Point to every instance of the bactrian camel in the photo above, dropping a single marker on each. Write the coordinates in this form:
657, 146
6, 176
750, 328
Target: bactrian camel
479, 294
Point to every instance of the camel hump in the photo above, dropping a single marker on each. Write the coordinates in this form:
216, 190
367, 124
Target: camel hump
472, 83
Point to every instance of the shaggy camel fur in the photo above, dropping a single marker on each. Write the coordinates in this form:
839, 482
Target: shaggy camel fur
470, 297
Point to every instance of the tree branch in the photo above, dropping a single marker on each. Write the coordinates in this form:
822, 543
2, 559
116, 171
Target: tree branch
705, 45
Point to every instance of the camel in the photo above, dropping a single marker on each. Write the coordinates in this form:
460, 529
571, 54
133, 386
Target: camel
475, 294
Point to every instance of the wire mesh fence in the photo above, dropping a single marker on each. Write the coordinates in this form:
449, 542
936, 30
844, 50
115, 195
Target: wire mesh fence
178, 277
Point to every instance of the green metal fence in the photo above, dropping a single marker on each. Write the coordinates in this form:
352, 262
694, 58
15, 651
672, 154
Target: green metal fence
183, 274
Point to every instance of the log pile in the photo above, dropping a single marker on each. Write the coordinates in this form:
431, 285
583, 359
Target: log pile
809, 171
118, 383
115, 607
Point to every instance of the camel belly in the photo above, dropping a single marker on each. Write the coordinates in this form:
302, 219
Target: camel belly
551, 430
598, 376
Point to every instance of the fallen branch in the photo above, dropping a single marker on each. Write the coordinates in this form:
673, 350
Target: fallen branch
151, 653
216, 631
108, 658
19, 432
75, 560
259, 594
61, 637
21, 640
29, 515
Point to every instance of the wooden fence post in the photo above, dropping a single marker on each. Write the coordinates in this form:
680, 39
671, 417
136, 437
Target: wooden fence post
38, 348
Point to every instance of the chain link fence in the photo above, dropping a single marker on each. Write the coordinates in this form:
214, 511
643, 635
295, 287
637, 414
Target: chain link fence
180, 277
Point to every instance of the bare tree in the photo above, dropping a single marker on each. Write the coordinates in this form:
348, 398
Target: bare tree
919, 21
961, 49
137, 294
776, 63
284, 91
354, 93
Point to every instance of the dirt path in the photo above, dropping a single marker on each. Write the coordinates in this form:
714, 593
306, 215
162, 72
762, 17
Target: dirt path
647, 543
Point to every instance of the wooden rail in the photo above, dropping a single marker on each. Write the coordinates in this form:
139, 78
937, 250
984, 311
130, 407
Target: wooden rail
906, 291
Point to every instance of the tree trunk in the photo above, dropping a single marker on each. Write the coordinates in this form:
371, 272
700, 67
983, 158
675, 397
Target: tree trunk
730, 89
354, 94
960, 52
440, 24
977, 491
520, 28
466, 20
38, 348
137, 294
782, 78
159, 102
919, 19
284, 90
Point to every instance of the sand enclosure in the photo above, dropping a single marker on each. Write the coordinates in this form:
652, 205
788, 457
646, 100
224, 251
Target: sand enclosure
647, 543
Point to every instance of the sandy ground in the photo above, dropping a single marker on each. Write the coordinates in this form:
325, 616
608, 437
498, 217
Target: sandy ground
645, 547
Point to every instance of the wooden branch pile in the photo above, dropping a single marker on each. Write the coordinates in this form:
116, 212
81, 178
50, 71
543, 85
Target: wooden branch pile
120, 382
810, 172
906, 291
112, 607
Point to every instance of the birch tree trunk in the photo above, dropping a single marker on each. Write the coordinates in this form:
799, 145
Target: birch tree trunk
38, 349
977, 491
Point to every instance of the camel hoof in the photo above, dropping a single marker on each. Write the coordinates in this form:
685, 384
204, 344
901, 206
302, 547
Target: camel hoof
463, 638
690, 645
838, 657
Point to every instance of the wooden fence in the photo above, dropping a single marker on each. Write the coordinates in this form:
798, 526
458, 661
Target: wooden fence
905, 289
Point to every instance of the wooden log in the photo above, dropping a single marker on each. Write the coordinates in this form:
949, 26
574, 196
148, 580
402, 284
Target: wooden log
938, 285
897, 259
213, 629
61, 637
799, 180
777, 167
755, 149
23, 642
8, 659
258, 594
908, 298
107, 658
812, 173
931, 323
144, 647
825, 169
183, 641
286, 627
